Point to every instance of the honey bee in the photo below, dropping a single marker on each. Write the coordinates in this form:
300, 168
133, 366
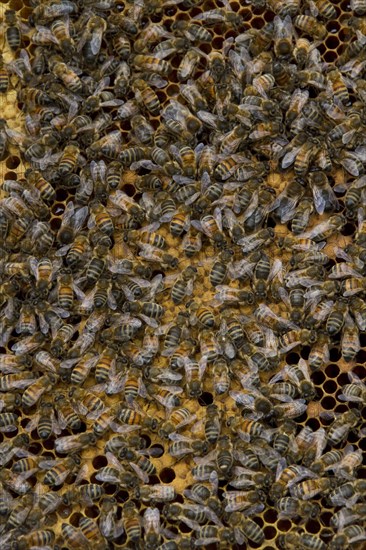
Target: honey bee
342, 495
184, 285
336, 318
4, 76
165, 395
177, 419
324, 197
91, 38
73, 443
301, 540
283, 32
3, 139
105, 363
289, 507
142, 130
348, 535
90, 529
60, 469
127, 204
345, 516
39, 537
194, 373
250, 501
8, 421
35, 391
350, 342
342, 424
14, 29
73, 537
358, 6
155, 493
150, 312
146, 96
302, 51
319, 354
122, 46
152, 63
309, 488
72, 221
132, 522
355, 391
109, 526
221, 376
66, 289
72, 82
338, 86
61, 338
309, 25
191, 244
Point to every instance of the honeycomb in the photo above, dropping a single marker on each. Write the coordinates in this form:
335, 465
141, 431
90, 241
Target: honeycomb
276, 124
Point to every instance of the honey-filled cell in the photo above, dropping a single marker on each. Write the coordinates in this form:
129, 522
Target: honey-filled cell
195, 332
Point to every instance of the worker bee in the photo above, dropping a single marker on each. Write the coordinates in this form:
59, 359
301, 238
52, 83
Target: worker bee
176, 420
91, 39
301, 539
358, 6
347, 535
324, 197
72, 221
309, 25
250, 501
319, 354
350, 342
13, 30
183, 286
3, 138
35, 391
283, 32
73, 443
342, 424
58, 470
289, 507
45, 421
343, 494
336, 318
72, 82
4, 76
155, 493
165, 395
152, 528
355, 391
183, 446
132, 522
14, 364
146, 96
194, 373
152, 63
72, 536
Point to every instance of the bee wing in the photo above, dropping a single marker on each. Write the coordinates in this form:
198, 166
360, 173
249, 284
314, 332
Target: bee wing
354, 379
242, 398
140, 473
290, 157
179, 437
63, 250
209, 119
346, 271
149, 321
209, 458
80, 217
87, 302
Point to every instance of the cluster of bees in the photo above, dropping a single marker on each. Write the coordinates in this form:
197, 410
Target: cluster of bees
200, 268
